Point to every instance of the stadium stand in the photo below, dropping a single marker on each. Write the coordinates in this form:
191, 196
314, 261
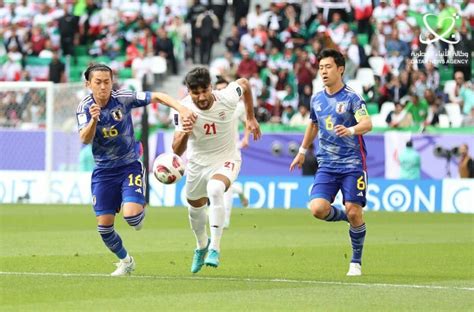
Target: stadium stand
383, 41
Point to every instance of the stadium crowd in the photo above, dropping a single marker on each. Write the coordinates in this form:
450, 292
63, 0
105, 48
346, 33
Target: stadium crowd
407, 75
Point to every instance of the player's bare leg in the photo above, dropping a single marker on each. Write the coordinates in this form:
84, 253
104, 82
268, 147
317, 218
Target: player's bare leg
357, 233
105, 226
198, 220
322, 209
216, 188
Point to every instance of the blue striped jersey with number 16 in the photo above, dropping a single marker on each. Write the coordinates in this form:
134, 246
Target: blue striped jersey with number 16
114, 142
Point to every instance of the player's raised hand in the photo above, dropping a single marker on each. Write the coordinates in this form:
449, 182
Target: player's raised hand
94, 110
254, 128
188, 117
341, 131
297, 161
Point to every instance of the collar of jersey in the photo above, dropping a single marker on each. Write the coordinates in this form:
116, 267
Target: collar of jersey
333, 95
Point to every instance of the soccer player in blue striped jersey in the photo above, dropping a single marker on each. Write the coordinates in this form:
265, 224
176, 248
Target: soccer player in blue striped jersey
339, 118
104, 119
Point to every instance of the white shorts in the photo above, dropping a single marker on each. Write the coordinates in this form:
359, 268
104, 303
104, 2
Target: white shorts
197, 176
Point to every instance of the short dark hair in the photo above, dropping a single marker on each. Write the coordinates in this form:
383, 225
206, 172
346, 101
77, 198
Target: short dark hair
198, 77
96, 67
336, 55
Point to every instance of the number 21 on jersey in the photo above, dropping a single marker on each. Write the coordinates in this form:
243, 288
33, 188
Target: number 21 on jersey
210, 128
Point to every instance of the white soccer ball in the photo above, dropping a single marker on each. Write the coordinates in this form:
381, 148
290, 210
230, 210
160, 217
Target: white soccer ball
168, 168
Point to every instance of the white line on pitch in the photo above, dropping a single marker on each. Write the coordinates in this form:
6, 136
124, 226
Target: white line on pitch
235, 279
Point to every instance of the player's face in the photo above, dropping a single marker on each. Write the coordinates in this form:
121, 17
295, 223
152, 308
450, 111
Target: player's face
330, 72
100, 84
202, 97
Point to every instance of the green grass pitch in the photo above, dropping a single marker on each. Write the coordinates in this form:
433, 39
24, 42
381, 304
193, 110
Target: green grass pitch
52, 259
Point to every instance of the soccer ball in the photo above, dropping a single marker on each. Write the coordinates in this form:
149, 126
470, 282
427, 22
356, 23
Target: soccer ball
168, 168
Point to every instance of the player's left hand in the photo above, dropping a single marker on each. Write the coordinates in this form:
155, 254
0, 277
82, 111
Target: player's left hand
341, 131
254, 128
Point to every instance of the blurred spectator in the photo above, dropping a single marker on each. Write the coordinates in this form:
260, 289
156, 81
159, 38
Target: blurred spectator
11, 69
432, 76
164, 48
301, 118
383, 15
305, 98
462, 57
466, 95
410, 163
305, 71
219, 7
418, 109
466, 164
241, 9
435, 108
207, 25
247, 67
454, 92
232, 42
132, 51
468, 121
57, 69
68, 26
399, 118
196, 9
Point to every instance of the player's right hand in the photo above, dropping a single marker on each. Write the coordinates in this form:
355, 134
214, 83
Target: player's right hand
188, 117
297, 161
94, 110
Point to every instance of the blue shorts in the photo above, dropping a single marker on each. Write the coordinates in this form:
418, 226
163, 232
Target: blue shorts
112, 187
353, 186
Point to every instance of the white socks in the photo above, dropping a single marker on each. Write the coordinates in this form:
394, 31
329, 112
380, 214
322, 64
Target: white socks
215, 192
228, 199
198, 221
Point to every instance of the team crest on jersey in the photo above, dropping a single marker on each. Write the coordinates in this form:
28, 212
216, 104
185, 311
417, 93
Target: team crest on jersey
222, 115
117, 114
317, 107
341, 107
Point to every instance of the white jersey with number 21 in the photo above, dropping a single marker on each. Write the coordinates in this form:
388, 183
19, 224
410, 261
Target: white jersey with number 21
213, 138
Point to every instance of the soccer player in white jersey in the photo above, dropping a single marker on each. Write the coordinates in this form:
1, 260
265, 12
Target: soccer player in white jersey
239, 116
214, 161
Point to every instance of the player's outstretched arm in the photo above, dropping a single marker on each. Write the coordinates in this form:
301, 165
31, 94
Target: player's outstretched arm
87, 133
187, 116
251, 123
180, 142
309, 136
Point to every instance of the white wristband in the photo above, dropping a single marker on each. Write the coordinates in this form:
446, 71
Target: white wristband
352, 130
302, 150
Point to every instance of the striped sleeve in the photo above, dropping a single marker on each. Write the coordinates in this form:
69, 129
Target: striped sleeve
132, 98
82, 112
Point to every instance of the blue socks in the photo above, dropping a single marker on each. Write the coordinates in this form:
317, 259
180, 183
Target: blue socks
136, 221
336, 215
112, 240
357, 235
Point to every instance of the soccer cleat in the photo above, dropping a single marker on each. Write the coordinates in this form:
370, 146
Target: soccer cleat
124, 268
355, 269
198, 258
212, 258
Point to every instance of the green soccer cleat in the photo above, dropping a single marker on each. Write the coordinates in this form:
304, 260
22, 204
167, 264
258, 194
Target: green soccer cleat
198, 258
212, 258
